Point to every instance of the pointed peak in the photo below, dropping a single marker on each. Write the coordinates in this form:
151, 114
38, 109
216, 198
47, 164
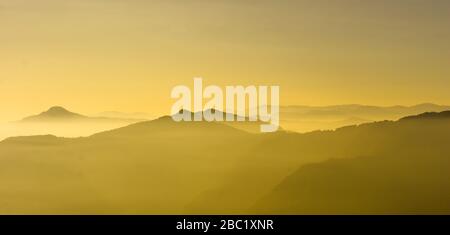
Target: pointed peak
55, 112
57, 109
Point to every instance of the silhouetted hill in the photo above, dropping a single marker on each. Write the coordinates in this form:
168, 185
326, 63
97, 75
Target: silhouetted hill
55, 113
165, 125
60, 114
428, 115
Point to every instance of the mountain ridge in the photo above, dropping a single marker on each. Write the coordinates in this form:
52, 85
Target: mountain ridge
428, 115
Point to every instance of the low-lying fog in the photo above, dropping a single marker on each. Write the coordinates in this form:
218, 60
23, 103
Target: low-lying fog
66, 129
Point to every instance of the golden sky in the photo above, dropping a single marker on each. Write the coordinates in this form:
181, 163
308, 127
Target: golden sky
126, 55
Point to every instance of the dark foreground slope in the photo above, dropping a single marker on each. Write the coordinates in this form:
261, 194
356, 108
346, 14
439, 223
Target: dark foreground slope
409, 173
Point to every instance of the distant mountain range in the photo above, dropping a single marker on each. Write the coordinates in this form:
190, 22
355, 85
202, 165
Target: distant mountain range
362, 109
293, 118
310, 118
167, 167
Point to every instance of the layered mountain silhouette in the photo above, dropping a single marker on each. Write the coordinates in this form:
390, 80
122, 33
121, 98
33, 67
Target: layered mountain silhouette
155, 166
405, 169
167, 167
